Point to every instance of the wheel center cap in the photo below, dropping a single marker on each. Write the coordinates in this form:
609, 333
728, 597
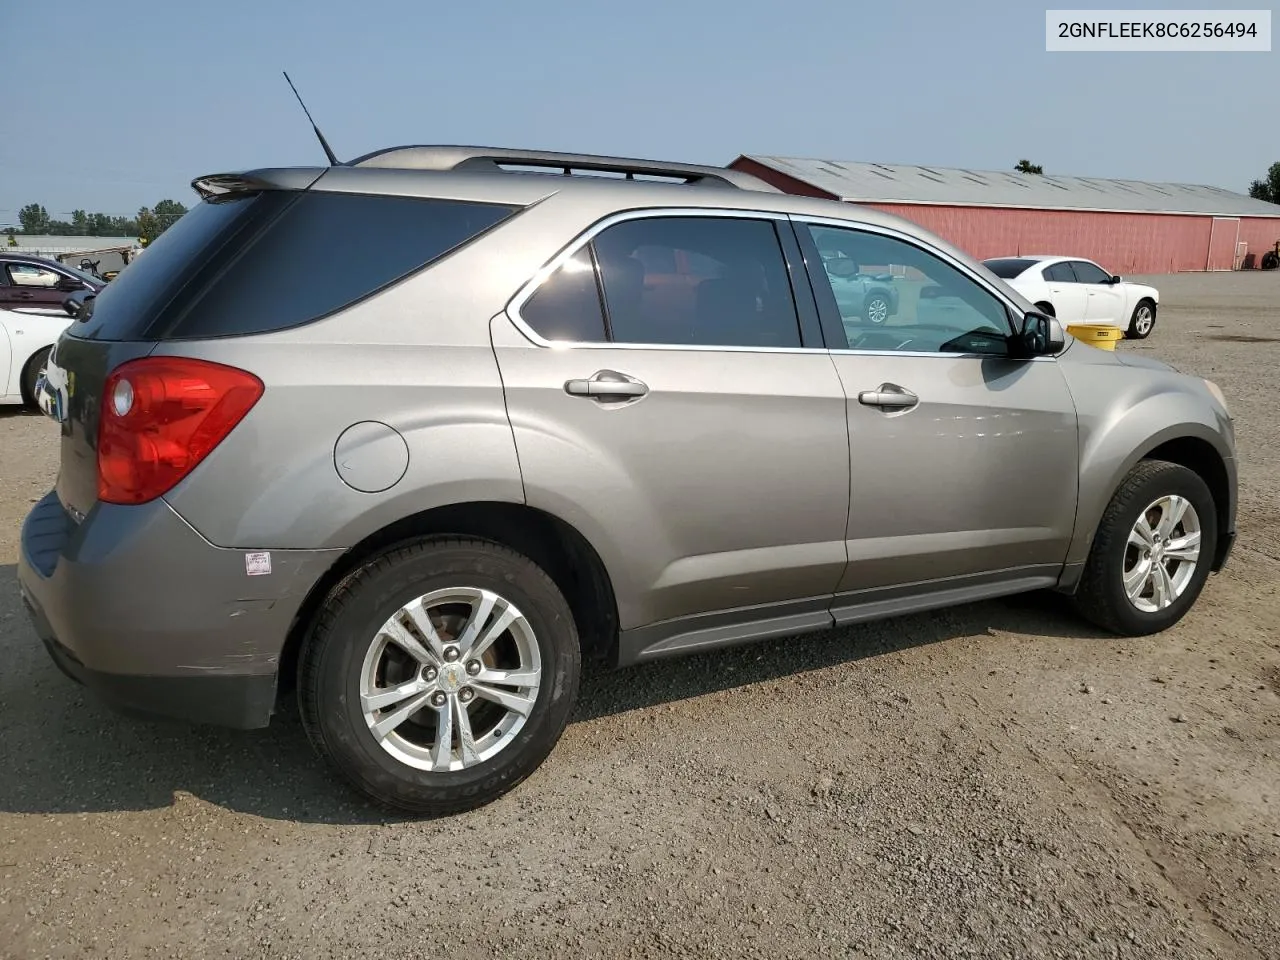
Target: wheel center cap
452, 677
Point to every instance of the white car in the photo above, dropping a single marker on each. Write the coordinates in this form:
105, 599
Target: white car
26, 337
1080, 291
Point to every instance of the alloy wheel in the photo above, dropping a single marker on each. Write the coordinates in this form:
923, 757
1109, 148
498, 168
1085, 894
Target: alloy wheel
450, 679
1161, 554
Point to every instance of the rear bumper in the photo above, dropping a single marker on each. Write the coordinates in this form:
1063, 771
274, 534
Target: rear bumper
140, 608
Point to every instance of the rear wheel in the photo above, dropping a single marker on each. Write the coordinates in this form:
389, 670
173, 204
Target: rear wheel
440, 675
1152, 551
1143, 321
1046, 308
32, 373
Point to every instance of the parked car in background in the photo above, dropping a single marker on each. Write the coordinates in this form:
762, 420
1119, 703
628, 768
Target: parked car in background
538, 417
869, 297
1079, 291
27, 281
26, 337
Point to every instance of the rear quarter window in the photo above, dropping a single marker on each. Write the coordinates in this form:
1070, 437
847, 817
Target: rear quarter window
275, 260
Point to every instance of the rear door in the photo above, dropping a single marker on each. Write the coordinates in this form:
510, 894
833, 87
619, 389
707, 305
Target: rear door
963, 461
1066, 294
693, 431
1104, 300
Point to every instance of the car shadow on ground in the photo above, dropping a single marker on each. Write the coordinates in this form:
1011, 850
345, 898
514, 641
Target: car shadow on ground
64, 752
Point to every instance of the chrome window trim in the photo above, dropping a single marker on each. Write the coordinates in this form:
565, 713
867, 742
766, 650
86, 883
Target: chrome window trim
527, 290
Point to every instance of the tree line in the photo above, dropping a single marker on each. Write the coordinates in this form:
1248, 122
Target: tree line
148, 224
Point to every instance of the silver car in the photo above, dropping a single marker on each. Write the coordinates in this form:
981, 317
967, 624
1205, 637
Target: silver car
421, 432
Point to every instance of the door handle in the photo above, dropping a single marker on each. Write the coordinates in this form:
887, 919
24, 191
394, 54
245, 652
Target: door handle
24, 294
889, 396
606, 384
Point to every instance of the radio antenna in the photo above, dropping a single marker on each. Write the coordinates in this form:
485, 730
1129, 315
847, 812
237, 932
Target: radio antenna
328, 152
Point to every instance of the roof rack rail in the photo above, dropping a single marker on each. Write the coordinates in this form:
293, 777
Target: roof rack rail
494, 159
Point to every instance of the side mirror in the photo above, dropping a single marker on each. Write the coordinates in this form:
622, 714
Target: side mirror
1041, 335
1115, 278
69, 284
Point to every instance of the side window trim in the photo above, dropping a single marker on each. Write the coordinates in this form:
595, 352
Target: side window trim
832, 324
833, 331
798, 257
588, 235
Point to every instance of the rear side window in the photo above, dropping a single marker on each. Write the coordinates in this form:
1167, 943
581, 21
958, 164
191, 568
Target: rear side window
566, 307
1060, 273
275, 260
705, 281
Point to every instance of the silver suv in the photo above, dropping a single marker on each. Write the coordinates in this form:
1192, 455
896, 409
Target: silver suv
426, 429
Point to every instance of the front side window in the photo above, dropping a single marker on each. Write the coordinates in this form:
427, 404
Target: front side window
28, 275
893, 295
705, 281
1089, 272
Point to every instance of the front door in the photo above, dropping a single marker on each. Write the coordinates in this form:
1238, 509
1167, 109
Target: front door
963, 461
687, 429
1104, 300
31, 286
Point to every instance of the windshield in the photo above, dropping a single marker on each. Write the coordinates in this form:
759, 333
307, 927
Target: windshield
1007, 268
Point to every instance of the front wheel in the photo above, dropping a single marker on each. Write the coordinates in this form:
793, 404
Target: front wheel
440, 675
877, 308
1152, 551
1143, 321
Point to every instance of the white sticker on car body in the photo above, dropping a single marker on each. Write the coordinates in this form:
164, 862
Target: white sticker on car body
257, 564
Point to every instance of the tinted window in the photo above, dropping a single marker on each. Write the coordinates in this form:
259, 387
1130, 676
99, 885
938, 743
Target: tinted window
697, 280
567, 304
278, 259
1060, 273
1089, 272
1008, 268
893, 295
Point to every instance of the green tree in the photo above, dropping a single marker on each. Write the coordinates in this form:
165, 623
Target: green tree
79, 223
34, 218
1268, 189
1026, 166
148, 226
167, 213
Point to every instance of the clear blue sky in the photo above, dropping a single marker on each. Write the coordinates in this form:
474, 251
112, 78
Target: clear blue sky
119, 104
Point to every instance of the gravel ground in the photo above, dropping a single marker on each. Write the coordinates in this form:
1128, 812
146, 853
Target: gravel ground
996, 780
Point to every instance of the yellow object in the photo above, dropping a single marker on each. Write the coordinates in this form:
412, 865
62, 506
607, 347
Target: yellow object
1098, 335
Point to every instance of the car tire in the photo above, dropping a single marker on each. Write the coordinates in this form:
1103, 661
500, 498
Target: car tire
1045, 308
1156, 492
1143, 320
31, 374
876, 308
351, 662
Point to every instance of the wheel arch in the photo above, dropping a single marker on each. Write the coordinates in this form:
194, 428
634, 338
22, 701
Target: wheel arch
1192, 445
1044, 306
552, 543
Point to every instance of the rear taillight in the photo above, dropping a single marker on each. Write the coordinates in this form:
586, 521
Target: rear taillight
160, 417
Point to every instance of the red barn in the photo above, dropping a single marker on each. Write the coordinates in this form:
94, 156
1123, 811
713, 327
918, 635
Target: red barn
1128, 226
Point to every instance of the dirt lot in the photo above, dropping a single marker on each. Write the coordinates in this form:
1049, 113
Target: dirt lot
996, 780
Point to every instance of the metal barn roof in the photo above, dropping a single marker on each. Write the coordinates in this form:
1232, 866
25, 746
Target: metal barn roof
905, 183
